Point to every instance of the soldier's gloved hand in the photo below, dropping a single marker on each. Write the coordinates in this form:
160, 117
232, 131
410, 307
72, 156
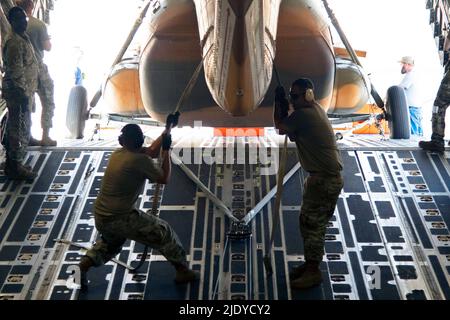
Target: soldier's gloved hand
172, 120
280, 94
282, 108
166, 141
281, 102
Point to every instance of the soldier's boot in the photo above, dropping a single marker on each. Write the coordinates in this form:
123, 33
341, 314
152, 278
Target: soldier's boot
85, 264
34, 142
29, 168
433, 145
15, 171
185, 275
46, 140
297, 271
311, 277
26, 166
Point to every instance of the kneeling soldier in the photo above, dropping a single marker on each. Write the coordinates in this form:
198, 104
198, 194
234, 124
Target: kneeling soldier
117, 218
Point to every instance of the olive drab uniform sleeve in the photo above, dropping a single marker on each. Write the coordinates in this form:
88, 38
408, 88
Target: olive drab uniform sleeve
37, 32
149, 169
294, 122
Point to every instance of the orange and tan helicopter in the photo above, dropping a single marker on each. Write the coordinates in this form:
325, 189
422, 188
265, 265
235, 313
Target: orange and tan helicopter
239, 43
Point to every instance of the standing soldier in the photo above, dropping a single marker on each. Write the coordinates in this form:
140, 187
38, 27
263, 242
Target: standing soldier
37, 32
19, 84
441, 103
311, 130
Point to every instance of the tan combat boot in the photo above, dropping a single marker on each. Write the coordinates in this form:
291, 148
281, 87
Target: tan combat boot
46, 140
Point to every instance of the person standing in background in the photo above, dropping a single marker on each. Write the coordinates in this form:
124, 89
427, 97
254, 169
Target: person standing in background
409, 84
18, 87
37, 32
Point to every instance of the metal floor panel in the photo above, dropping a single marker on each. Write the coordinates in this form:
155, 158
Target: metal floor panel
389, 238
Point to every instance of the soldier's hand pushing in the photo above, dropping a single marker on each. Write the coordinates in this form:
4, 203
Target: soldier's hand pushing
281, 103
166, 141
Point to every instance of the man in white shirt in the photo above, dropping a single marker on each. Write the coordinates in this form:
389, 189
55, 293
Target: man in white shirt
410, 86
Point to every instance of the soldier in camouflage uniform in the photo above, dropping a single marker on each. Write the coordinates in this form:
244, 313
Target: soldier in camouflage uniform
439, 109
438, 119
311, 130
37, 32
19, 84
116, 217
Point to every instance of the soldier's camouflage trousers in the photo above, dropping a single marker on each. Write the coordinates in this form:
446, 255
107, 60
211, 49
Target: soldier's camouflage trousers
438, 123
440, 107
45, 92
319, 201
18, 126
138, 226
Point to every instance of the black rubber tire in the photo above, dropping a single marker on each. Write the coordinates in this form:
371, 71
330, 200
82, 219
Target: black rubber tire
77, 112
397, 108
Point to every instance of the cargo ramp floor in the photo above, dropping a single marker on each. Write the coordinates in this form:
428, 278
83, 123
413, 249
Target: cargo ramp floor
389, 237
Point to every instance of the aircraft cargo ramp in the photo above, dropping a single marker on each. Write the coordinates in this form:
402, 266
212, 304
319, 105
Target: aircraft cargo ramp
389, 237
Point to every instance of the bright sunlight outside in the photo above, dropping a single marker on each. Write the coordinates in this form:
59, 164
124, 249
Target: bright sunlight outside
89, 34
